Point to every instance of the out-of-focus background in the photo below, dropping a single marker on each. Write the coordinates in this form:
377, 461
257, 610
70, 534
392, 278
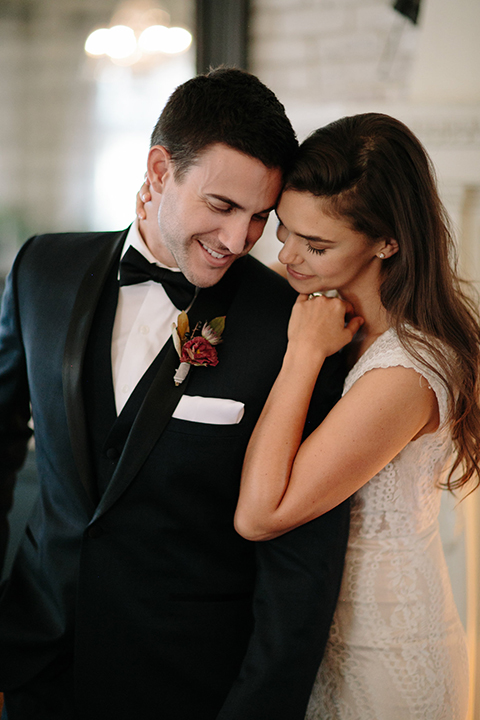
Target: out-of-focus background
74, 127
77, 109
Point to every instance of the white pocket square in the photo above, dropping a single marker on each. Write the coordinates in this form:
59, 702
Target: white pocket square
216, 411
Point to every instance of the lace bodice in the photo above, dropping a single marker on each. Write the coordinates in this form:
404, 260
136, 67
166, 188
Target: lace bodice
397, 648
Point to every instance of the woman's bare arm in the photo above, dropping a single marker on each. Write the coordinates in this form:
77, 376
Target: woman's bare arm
286, 483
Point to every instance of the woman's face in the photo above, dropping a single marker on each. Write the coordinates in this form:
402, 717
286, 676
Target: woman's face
322, 252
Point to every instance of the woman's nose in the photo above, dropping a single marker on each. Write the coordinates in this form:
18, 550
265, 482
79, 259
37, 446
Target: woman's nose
288, 255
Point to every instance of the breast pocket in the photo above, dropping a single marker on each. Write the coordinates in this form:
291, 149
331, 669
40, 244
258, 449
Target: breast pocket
209, 410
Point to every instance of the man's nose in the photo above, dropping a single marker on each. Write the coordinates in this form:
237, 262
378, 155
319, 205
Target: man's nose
235, 234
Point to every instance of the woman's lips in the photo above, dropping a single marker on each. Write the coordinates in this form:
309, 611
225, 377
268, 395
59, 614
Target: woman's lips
298, 276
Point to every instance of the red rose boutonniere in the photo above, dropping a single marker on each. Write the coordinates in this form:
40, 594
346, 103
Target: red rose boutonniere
196, 347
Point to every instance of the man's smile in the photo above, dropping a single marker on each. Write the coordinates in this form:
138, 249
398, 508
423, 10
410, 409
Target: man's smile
213, 253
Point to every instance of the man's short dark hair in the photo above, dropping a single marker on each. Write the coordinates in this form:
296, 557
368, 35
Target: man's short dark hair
229, 106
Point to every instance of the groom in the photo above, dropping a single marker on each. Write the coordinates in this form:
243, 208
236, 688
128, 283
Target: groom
131, 595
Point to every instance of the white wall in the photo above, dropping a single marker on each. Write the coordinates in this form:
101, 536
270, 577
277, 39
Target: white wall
447, 68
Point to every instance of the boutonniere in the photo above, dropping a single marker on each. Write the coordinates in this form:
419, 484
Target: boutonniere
196, 347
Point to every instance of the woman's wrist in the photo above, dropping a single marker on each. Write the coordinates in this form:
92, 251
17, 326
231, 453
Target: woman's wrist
303, 361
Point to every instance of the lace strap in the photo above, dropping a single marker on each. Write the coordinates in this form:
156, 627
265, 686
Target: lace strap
387, 352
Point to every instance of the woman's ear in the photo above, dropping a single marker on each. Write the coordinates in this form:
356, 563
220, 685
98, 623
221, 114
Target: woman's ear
159, 166
387, 248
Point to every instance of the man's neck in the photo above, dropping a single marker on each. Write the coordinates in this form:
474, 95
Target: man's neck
152, 241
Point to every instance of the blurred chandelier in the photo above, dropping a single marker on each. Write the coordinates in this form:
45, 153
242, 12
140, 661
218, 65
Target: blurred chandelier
138, 31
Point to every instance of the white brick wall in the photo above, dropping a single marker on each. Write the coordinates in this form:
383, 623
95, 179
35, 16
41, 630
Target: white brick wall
320, 51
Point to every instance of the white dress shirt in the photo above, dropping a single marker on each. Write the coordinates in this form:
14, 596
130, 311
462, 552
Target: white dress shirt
143, 324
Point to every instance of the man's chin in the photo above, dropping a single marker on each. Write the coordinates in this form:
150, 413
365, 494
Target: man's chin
207, 277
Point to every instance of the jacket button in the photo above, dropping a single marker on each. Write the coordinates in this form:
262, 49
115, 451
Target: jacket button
95, 531
112, 453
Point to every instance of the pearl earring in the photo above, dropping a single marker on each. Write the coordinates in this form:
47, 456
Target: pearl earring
381, 256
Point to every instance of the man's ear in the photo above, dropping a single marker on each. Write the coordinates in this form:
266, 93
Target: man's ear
388, 248
159, 164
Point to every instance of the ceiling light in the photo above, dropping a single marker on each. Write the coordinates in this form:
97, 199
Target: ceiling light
121, 42
178, 40
153, 39
97, 42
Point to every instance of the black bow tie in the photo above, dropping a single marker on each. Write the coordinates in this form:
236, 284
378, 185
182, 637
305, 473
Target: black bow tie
135, 268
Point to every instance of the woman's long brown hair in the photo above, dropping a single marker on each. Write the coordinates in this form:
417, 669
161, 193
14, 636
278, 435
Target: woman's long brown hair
377, 176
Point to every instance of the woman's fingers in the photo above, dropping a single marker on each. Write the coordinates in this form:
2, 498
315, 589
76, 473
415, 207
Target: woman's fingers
143, 196
354, 325
323, 323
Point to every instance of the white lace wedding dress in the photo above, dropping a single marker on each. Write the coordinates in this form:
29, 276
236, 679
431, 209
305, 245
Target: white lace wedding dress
397, 649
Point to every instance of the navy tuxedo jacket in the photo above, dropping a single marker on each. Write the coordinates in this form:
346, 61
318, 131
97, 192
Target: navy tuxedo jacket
130, 563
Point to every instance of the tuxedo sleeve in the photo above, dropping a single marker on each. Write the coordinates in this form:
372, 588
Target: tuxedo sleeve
14, 403
297, 585
298, 580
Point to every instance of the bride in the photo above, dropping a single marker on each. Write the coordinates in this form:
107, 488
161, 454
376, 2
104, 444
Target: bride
360, 215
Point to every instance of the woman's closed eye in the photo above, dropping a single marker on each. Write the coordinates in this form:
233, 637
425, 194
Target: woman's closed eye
317, 251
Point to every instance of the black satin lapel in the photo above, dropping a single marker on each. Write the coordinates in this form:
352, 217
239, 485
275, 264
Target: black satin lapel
76, 341
163, 396
154, 414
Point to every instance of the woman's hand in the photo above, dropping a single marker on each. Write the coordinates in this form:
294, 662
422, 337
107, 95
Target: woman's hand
143, 196
320, 326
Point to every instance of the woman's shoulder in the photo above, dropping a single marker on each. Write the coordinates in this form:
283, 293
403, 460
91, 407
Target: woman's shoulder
385, 351
419, 354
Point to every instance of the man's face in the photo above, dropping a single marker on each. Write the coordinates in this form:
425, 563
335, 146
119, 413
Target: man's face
214, 213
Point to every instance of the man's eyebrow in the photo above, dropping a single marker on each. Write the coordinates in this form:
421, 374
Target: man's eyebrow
226, 200
310, 238
232, 203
